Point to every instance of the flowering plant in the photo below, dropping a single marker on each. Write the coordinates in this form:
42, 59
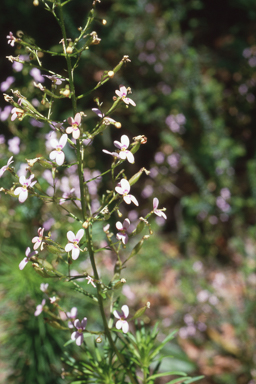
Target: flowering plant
52, 256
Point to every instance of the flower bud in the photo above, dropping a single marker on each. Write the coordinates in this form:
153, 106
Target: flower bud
111, 74
69, 49
36, 3
98, 340
103, 21
119, 284
65, 92
85, 224
118, 125
137, 175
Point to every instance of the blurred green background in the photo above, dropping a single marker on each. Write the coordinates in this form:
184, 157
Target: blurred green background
193, 78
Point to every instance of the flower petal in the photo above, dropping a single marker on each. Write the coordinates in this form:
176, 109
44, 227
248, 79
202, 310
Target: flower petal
80, 234
155, 203
125, 141
75, 253
125, 185
125, 326
125, 310
71, 236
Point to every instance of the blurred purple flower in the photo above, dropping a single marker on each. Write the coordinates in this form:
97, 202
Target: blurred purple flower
13, 145
72, 316
7, 83
36, 74
5, 113
39, 308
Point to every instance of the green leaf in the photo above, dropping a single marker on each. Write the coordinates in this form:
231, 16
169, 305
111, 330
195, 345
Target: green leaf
166, 374
192, 380
158, 349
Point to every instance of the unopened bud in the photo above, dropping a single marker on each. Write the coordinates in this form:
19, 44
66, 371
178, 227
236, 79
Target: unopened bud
148, 304
111, 74
98, 340
103, 21
118, 125
36, 3
137, 175
123, 281
69, 49
85, 224
65, 92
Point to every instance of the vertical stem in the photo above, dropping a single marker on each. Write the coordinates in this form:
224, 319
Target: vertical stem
81, 181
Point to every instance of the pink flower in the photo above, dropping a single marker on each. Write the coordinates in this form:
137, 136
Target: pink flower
122, 235
43, 286
123, 93
123, 188
38, 240
72, 316
53, 299
23, 191
74, 126
78, 334
122, 323
57, 154
11, 39
26, 259
156, 211
39, 308
123, 145
73, 245
5, 167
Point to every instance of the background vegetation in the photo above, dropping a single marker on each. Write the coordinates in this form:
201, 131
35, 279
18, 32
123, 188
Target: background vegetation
193, 77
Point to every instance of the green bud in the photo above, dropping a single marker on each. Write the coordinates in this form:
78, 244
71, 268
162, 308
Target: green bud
138, 246
139, 313
137, 175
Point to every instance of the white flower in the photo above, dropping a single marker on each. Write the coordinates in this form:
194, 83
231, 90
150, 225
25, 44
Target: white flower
122, 235
57, 154
23, 191
122, 323
73, 245
26, 259
122, 146
5, 167
123, 188
123, 93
